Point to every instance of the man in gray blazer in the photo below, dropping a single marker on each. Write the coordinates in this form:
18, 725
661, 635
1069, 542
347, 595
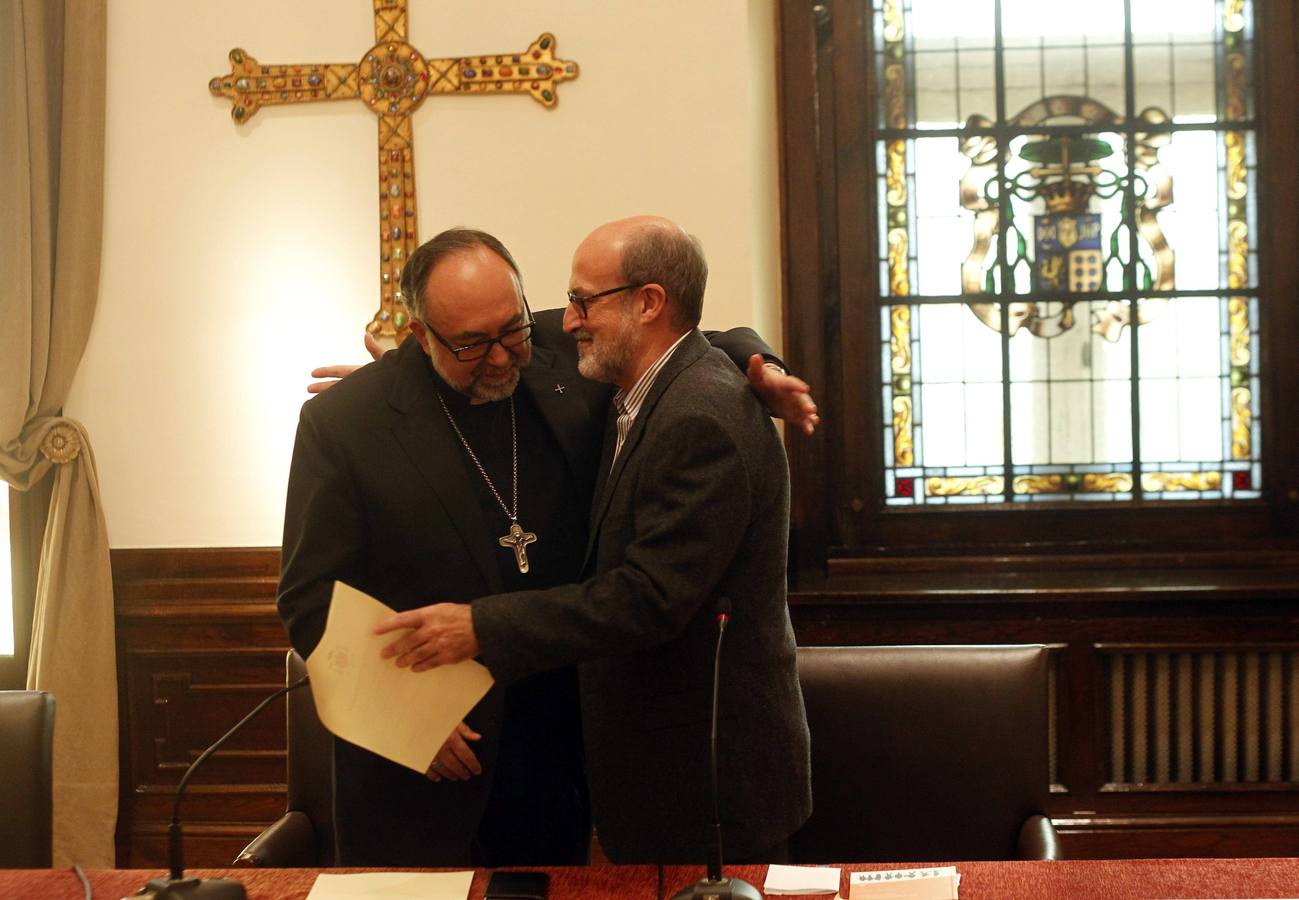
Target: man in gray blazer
692, 507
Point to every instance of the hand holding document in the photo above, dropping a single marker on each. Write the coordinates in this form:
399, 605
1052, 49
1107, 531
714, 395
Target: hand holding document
399, 714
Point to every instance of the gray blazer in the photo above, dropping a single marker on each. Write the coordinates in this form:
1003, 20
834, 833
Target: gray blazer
695, 509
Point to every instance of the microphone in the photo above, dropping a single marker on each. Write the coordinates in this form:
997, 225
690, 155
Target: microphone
715, 886
176, 886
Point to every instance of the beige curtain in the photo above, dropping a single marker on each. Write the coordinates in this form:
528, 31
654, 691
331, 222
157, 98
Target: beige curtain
52, 70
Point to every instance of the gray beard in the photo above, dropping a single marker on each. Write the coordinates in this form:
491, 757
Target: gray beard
491, 394
608, 363
475, 390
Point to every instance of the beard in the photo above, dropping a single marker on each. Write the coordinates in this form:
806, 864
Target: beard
607, 359
486, 383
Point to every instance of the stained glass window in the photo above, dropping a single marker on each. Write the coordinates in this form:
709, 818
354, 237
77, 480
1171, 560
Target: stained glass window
1066, 205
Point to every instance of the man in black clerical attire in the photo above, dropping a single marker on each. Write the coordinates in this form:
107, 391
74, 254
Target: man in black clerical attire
427, 476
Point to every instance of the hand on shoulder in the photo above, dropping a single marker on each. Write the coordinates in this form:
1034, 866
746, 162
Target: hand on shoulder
785, 396
334, 374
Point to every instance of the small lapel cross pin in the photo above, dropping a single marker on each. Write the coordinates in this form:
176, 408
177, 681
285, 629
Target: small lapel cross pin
559, 389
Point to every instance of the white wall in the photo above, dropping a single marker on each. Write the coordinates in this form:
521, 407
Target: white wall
236, 258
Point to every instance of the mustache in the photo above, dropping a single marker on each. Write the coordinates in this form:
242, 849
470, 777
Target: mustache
513, 363
581, 334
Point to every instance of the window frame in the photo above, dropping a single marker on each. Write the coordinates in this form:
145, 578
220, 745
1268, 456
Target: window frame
28, 512
827, 128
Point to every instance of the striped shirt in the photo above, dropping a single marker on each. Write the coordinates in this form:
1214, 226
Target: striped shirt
628, 403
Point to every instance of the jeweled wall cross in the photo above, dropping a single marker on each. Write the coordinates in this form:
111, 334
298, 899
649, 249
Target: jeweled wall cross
393, 79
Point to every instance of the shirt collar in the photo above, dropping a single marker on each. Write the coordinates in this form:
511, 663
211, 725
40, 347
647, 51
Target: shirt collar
628, 402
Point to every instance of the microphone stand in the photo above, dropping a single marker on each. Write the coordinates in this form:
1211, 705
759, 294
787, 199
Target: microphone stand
715, 886
176, 886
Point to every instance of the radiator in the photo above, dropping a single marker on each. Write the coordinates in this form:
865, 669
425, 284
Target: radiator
1203, 717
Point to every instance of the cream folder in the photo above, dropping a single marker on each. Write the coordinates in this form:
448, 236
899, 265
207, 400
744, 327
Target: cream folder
401, 715
422, 885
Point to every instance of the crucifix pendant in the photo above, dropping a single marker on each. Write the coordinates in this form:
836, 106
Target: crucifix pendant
518, 541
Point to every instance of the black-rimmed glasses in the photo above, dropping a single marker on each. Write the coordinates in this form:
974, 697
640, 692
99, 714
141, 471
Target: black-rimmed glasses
581, 302
508, 339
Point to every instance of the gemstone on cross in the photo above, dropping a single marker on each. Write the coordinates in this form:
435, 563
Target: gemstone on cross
393, 79
518, 541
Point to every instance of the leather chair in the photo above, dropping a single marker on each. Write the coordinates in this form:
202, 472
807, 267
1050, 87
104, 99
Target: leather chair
27, 788
926, 754
304, 835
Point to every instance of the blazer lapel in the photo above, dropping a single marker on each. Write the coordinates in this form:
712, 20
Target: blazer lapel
607, 444
692, 348
422, 430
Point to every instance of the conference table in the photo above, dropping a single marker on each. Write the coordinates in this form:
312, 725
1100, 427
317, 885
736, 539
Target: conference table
1109, 879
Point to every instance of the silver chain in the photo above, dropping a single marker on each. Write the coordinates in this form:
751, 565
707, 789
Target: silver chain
511, 513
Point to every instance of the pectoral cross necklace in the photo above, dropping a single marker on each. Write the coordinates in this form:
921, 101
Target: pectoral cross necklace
516, 538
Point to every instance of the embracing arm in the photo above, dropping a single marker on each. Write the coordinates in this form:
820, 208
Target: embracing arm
785, 396
739, 344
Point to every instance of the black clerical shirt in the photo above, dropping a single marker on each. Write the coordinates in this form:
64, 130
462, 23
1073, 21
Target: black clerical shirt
549, 506
540, 772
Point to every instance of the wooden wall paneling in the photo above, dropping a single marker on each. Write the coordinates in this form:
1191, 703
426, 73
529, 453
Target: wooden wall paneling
1096, 817
1138, 837
199, 645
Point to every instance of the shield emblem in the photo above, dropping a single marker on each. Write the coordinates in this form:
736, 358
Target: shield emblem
1068, 256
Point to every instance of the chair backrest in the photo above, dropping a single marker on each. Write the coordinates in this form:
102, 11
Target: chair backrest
311, 761
923, 753
26, 787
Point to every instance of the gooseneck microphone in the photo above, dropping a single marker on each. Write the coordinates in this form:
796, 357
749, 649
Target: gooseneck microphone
715, 886
176, 886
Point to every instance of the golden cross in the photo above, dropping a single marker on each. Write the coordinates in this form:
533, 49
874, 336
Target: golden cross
393, 79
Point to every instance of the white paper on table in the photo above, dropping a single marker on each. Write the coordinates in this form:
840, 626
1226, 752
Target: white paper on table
401, 715
930, 883
801, 880
424, 885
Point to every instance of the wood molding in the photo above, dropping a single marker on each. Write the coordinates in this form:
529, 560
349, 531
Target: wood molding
1281, 557
1136, 837
215, 584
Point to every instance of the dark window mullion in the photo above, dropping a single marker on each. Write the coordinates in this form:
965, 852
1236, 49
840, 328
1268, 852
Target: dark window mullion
1007, 275
1047, 129
1130, 220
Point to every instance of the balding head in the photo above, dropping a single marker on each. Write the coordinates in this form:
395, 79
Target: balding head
655, 250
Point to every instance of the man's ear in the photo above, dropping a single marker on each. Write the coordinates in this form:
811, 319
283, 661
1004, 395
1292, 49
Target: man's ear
654, 303
421, 334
